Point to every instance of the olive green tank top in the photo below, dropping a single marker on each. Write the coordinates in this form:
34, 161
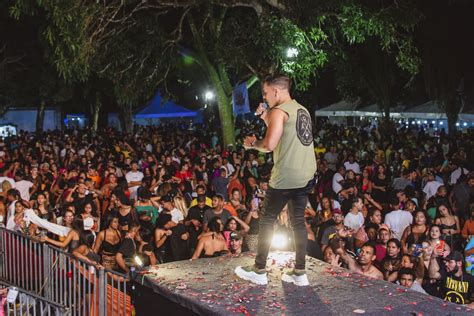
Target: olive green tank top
294, 158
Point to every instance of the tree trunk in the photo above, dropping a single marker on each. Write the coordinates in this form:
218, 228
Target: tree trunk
95, 114
452, 119
451, 108
126, 117
40, 117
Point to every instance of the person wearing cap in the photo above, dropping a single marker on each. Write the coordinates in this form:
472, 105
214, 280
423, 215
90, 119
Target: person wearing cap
236, 241
456, 285
290, 137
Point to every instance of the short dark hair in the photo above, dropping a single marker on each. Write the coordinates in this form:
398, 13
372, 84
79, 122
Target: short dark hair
279, 80
371, 245
219, 196
406, 271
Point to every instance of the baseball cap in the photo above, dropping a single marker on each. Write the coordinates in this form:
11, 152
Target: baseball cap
235, 236
336, 211
454, 255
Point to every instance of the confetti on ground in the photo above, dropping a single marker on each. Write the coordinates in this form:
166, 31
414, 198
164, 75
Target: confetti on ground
210, 286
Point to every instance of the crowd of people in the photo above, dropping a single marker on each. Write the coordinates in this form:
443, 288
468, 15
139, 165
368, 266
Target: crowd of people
397, 207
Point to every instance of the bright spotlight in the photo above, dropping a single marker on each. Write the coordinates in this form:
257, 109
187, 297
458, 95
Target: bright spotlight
425, 122
418, 122
209, 95
457, 124
279, 241
464, 124
433, 122
291, 52
440, 123
138, 261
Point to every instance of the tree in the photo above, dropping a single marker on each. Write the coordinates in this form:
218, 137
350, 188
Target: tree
447, 54
229, 41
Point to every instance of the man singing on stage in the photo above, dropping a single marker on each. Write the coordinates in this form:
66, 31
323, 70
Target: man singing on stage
289, 136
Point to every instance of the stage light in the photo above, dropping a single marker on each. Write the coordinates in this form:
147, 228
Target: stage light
138, 261
433, 122
279, 241
425, 122
440, 123
418, 122
464, 124
209, 95
457, 124
291, 52
399, 121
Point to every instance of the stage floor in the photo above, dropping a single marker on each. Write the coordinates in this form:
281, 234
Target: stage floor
209, 287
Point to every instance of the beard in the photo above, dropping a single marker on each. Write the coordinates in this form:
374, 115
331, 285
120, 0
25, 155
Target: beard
453, 272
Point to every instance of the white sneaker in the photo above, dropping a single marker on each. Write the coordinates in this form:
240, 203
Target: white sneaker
250, 273
295, 277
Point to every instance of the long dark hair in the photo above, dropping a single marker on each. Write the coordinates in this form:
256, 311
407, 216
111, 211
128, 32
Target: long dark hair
214, 225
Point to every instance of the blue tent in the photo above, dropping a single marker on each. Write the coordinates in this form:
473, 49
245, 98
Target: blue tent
155, 109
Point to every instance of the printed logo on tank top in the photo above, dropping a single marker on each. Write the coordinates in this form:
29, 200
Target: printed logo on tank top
456, 290
303, 127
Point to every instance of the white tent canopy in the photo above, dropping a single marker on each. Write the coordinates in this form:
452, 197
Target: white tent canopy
428, 110
341, 108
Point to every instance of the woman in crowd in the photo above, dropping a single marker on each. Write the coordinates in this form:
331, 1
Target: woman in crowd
84, 250
234, 224
72, 240
416, 233
147, 210
252, 219
392, 261
380, 183
108, 242
449, 225
43, 209
212, 243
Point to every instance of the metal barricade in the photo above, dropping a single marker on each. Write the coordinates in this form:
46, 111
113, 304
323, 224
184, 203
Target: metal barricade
61, 278
21, 261
117, 294
27, 303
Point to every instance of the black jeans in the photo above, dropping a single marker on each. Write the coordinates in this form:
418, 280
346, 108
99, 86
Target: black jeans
275, 200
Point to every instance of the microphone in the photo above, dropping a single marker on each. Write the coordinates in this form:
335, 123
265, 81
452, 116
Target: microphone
265, 106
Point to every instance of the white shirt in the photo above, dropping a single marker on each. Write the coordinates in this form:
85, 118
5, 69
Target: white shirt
176, 215
132, 177
336, 186
431, 188
230, 169
398, 221
456, 174
335, 204
352, 166
24, 186
354, 221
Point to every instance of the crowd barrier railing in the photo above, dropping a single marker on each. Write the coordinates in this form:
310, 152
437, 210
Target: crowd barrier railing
27, 303
58, 276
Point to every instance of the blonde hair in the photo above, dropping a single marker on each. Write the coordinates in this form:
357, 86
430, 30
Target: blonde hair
6, 185
180, 204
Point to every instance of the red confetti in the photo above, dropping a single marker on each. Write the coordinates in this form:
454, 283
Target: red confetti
388, 307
